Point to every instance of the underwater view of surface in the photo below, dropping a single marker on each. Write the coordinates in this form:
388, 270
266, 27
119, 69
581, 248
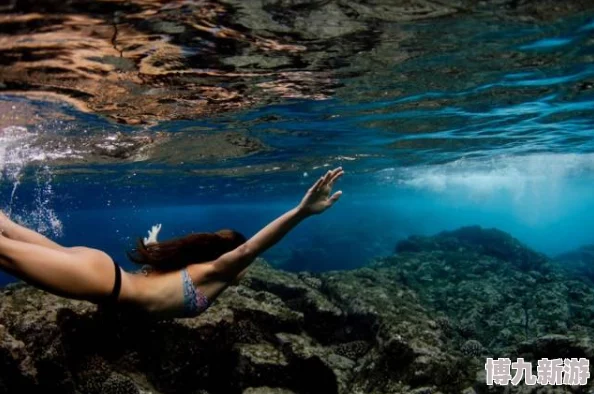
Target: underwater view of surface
451, 122
116, 116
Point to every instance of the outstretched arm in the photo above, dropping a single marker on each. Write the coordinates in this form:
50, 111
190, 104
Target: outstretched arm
316, 200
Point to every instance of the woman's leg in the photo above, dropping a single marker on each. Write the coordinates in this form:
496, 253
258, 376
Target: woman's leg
87, 274
17, 232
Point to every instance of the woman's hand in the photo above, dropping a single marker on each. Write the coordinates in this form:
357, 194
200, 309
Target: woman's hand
317, 199
152, 235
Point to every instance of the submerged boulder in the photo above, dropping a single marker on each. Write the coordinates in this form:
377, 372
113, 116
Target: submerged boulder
475, 239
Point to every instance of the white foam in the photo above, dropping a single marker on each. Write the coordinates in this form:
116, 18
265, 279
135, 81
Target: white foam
40, 155
536, 190
517, 175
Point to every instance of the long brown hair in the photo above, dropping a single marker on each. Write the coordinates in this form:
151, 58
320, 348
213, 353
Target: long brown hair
191, 249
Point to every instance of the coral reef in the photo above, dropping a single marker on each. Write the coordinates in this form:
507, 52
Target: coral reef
492, 288
421, 321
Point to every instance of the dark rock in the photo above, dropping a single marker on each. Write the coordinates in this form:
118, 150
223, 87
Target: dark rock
445, 325
15, 362
472, 348
407, 349
578, 263
353, 350
118, 384
490, 242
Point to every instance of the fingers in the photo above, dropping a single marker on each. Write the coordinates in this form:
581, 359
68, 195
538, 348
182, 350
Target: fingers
335, 197
321, 182
329, 176
339, 172
316, 185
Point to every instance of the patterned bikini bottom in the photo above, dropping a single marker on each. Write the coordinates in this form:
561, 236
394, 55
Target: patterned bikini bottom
195, 302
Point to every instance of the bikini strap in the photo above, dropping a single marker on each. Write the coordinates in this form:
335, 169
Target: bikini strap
115, 293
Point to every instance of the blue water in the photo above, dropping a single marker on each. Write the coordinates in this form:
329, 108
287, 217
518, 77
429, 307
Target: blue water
494, 127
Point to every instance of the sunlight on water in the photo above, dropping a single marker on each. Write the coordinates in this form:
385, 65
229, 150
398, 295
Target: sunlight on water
548, 43
540, 190
521, 176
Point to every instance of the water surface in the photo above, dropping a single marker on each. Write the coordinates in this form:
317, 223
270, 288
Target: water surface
472, 118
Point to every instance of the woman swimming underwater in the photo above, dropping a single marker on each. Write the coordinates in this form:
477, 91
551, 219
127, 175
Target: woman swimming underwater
185, 275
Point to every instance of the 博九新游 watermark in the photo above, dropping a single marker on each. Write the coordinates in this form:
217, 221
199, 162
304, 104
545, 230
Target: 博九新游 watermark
557, 371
